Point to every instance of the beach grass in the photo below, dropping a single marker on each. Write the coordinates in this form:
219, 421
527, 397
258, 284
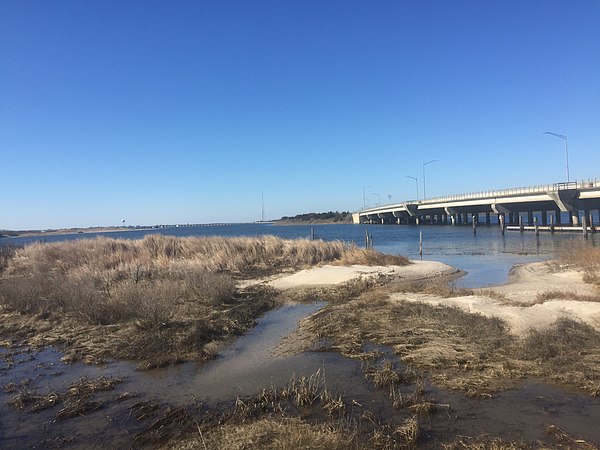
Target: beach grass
162, 299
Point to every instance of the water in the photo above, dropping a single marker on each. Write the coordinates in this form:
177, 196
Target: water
486, 257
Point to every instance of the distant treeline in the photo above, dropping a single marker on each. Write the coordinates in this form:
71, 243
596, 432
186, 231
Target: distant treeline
325, 217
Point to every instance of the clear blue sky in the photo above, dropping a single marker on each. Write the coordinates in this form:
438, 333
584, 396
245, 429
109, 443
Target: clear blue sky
186, 111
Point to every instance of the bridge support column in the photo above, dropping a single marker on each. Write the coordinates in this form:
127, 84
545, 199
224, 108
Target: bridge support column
529, 217
587, 216
511, 218
557, 218
487, 218
544, 217
465, 218
574, 218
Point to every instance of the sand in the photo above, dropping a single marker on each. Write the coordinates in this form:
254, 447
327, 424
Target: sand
332, 275
520, 309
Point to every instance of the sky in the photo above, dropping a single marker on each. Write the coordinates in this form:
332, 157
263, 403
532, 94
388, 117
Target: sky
173, 112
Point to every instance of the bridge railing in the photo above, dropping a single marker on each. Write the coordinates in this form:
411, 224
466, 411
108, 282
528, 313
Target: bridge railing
515, 191
543, 188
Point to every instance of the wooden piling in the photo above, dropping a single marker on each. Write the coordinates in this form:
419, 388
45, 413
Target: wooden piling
584, 226
521, 229
421, 244
535, 226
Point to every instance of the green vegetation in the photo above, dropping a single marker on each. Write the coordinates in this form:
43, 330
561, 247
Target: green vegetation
325, 217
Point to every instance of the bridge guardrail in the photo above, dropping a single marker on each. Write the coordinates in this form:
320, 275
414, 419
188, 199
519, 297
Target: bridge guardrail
589, 184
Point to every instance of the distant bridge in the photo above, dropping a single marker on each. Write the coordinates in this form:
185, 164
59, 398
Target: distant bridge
574, 204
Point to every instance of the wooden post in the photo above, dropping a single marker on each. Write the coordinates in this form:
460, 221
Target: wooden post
592, 231
501, 220
535, 226
584, 226
474, 220
520, 223
366, 238
421, 244
312, 234
551, 224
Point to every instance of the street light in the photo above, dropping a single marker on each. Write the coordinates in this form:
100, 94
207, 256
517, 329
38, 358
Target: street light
416, 184
425, 164
378, 198
564, 138
364, 198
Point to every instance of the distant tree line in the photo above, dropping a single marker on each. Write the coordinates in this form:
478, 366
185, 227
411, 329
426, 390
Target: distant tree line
326, 217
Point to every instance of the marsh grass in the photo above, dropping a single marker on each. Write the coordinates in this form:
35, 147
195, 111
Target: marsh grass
485, 442
160, 299
567, 352
302, 414
459, 350
583, 257
7, 252
565, 440
76, 401
545, 296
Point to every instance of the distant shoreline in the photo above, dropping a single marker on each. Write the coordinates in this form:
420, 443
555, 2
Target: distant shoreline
89, 230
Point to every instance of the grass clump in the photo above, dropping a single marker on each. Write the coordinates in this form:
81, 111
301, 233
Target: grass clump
545, 296
567, 352
582, 257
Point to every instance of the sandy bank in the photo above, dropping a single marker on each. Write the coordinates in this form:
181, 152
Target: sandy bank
332, 275
519, 307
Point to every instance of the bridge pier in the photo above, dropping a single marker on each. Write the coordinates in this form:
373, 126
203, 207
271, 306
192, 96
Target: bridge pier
487, 218
574, 220
529, 217
557, 218
544, 217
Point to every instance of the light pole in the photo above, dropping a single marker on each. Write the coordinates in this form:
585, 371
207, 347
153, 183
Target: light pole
564, 138
378, 198
364, 198
416, 183
425, 164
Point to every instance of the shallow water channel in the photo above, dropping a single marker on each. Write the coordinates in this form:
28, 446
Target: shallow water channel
249, 365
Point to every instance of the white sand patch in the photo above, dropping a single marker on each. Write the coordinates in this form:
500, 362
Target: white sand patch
528, 280
331, 275
518, 311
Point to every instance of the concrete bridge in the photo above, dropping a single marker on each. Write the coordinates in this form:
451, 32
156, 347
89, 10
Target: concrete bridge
573, 204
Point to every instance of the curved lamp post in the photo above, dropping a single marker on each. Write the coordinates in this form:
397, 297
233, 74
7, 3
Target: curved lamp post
425, 164
564, 138
416, 184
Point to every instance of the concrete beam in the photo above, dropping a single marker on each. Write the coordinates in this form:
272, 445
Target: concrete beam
564, 199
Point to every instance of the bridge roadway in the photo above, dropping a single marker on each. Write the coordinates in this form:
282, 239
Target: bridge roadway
571, 204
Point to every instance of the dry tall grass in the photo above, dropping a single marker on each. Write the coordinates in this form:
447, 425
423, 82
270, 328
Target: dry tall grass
459, 350
177, 296
583, 257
